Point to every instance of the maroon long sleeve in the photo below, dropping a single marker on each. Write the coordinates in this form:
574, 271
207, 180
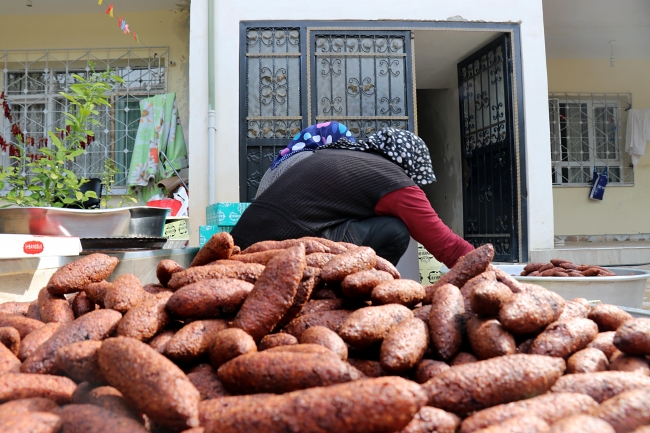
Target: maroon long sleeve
411, 205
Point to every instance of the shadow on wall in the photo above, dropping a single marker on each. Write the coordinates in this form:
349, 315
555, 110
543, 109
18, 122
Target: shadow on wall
439, 127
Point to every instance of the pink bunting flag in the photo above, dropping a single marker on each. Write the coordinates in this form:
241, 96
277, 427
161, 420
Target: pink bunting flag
126, 29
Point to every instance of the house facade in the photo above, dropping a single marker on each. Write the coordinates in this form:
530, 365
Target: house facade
516, 102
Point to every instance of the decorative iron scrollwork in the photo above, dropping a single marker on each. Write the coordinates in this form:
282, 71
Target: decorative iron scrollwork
330, 105
365, 87
392, 109
390, 67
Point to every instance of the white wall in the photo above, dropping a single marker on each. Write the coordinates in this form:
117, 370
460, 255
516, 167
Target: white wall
439, 127
228, 14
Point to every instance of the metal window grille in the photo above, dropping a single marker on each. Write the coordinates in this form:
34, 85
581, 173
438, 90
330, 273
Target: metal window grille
32, 80
587, 131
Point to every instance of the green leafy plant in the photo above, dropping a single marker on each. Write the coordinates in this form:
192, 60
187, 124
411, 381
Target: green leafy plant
108, 180
44, 178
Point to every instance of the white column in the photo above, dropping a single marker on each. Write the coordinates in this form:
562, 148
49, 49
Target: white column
198, 129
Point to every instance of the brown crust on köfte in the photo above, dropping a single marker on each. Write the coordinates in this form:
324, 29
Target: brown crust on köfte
601, 385
229, 344
92, 326
10, 337
261, 257
581, 424
310, 279
574, 309
33, 311
79, 361
327, 338
549, 407
248, 272
105, 397
318, 260
633, 337
422, 313
518, 424
24, 325
194, 340
431, 419
165, 269
446, 322
623, 362
525, 313
34, 404
604, 342
15, 308
342, 265
74, 276
368, 367
587, 360
488, 296
280, 372
311, 246
370, 325
146, 319
34, 339
14, 386
404, 292
218, 247
150, 382
626, 411
32, 422
463, 358
608, 317
488, 338
273, 293
553, 299
97, 291
9, 363
468, 266
274, 340
562, 339
428, 368
331, 319
320, 305
82, 418
82, 304
209, 299
379, 405
386, 266
125, 293
469, 387
206, 381
404, 346
504, 278
360, 284
159, 342
54, 308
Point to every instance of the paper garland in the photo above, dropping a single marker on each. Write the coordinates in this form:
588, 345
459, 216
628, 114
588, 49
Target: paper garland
121, 23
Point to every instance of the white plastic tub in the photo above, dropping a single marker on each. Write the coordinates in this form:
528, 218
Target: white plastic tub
625, 289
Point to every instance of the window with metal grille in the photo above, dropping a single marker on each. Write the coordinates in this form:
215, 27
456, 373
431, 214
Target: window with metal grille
587, 131
294, 75
33, 79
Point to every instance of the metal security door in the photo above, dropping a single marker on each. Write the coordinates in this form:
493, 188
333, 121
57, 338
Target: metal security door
361, 78
491, 211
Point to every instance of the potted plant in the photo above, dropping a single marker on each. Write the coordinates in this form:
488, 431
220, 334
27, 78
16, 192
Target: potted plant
43, 179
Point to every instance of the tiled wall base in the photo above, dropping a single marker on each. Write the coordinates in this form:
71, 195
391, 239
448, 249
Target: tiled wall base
559, 240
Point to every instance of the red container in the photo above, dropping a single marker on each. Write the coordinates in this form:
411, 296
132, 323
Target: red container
169, 203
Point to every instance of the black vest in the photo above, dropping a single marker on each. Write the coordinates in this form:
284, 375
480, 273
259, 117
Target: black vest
320, 196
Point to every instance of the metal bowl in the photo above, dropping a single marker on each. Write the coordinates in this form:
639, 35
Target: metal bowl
138, 221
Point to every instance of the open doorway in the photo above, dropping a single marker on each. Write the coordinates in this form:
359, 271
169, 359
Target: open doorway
476, 165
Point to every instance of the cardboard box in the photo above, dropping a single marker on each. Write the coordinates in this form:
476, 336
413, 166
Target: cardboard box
206, 232
15, 246
176, 228
224, 213
429, 267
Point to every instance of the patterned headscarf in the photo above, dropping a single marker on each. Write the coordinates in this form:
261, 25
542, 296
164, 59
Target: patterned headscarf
402, 147
313, 137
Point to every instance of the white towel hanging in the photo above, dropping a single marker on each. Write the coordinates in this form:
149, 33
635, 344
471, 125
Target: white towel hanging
638, 133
